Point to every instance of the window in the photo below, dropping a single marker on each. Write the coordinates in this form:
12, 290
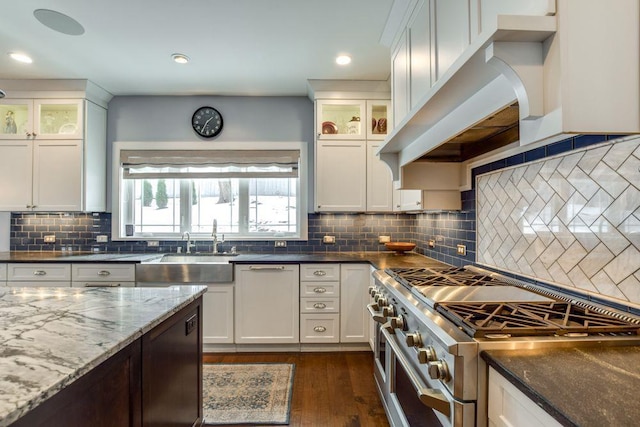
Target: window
251, 194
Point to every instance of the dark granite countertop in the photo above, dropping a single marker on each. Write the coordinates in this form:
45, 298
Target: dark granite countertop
377, 259
588, 386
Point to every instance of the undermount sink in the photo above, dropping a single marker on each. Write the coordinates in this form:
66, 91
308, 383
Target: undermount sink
187, 268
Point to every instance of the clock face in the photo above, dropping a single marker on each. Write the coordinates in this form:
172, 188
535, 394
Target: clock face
207, 122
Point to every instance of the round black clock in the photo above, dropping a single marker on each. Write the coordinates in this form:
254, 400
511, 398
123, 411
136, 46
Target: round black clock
207, 122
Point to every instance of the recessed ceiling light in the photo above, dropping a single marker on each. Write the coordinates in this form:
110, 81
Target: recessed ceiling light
343, 60
59, 22
180, 58
21, 57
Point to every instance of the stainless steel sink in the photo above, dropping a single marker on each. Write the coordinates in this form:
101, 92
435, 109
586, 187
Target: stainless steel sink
186, 268
197, 258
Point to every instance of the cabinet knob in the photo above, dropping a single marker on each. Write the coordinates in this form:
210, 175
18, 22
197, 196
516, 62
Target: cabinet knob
39, 273
319, 290
319, 305
319, 273
104, 273
319, 329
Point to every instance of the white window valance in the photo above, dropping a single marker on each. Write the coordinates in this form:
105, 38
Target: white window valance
194, 164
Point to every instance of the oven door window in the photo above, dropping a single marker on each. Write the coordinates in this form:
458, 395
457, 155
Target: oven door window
416, 413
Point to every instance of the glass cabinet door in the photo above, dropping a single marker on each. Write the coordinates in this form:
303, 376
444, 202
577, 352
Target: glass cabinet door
339, 119
58, 119
16, 118
380, 121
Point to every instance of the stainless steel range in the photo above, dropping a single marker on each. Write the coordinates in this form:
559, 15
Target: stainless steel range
432, 324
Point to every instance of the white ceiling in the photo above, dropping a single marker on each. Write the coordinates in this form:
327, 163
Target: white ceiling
237, 47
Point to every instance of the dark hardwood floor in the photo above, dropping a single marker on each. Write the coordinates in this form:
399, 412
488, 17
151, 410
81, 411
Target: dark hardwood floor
329, 389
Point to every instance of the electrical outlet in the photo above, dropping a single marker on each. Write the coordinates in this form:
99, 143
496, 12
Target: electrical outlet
330, 240
281, 244
432, 243
384, 239
51, 238
102, 238
462, 249
153, 243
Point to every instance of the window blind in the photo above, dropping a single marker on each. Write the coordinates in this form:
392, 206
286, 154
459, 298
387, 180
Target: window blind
193, 164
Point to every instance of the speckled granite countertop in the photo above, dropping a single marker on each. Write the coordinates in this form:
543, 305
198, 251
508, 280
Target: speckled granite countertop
377, 259
594, 386
50, 337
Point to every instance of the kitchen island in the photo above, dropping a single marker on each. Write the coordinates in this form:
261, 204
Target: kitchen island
84, 356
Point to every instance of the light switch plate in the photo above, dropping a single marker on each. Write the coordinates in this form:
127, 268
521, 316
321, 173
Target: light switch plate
51, 238
329, 239
153, 243
462, 249
281, 244
102, 238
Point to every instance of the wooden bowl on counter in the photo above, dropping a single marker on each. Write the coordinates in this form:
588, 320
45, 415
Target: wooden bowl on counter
400, 247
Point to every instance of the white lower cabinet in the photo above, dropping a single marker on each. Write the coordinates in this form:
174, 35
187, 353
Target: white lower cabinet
509, 407
319, 328
3, 274
217, 314
39, 274
319, 303
267, 304
354, 317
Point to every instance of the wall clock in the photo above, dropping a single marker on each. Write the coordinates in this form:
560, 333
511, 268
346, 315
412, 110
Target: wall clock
207, 122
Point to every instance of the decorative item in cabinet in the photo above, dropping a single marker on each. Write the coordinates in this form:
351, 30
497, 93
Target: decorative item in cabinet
41, 118
380, 113
340, 119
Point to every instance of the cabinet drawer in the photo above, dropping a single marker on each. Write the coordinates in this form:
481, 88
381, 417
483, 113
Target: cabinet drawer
319, 328
319, 272
3, 272
319, 305
103, 272
315, 289
39, 272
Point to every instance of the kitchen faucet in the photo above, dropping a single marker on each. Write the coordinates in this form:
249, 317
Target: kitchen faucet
187, 236
214, 234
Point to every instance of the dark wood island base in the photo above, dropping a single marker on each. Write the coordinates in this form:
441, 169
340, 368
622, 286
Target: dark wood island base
154, 381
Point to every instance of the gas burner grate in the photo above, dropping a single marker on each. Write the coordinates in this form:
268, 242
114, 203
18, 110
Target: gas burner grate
412, 277
535, 318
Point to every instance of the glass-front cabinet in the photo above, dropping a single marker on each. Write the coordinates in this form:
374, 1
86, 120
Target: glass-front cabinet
380, 121
341, 119
41, 118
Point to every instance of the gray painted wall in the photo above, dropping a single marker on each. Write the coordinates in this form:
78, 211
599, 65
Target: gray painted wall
168, 118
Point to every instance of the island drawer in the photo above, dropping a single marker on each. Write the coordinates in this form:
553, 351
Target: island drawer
319, 272
38, 272
103, 272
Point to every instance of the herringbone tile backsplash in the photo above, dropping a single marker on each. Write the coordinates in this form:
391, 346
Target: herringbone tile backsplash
573, 219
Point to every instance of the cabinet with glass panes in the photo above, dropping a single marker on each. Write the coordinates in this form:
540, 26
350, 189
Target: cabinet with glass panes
41, 118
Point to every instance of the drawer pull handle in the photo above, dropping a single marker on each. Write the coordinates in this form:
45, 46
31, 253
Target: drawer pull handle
266, 267
102, 285
104, 273
319, 273
39, 273
319, 305
320, 329
319, 290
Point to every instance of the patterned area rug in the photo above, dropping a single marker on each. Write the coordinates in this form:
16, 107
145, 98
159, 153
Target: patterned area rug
241, 393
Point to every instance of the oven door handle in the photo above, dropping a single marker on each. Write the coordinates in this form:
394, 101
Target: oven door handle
431, 397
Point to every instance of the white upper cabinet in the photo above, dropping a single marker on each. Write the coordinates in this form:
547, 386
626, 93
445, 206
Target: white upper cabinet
379, 184
451, 28
41, 118
341, 176
400, 80
420, 53
379, 119
340, 119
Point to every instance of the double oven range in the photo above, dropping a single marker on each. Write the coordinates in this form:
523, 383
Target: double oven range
432, 323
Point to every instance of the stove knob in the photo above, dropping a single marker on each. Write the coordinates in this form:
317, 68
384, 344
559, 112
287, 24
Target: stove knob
373, 290
438, 370
398, 323
382, 302
414, 339
389, 311
427, 354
